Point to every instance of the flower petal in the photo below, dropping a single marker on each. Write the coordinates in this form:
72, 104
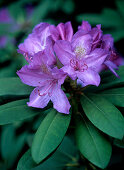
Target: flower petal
69, 31
36, 41
107, 42
85, 26
60, 101
32, 77
70, 71
63, 51
96, 58
82, 44
89, 77
111, 66
96, 34
49, 52
38, 101
54, 32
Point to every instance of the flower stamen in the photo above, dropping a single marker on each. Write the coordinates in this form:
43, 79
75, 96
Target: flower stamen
80, 52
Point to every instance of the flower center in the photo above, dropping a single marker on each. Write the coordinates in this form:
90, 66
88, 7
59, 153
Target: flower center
77, 66
74, 64
80, 51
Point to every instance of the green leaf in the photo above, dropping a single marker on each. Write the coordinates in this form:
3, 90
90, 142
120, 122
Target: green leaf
9, 71
113, 78
108, 18
120, 5
7, 139
106, 76
66, 153
92, 144
26, 162
68, 6
13, 86
119, 143
115, 96
16, 111
117, 34
49, 135
10, 143
4, 29
41, 11
103, 115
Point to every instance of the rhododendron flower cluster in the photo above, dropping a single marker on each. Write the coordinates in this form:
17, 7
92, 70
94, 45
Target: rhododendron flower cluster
55, 53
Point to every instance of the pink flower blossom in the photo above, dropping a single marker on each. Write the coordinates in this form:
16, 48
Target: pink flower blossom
106, 42
48, 83
80, 60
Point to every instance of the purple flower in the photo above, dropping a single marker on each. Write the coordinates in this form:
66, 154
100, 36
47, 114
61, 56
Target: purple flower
53, 53
40, 38
113, 60
45, 35
65, 31
79, 58
48, 83
106, 42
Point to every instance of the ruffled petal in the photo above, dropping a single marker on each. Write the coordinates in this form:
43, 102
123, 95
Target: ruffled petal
107, 42
63, 51
49, 52
61, 30
96, 58
60, 101
82, 44
85, 26
38, 29
69, 31
36, 41
37, 100
70, 71
65, 31
111, 66
33, 77
30, 46
54, 32
96, 34
89, 77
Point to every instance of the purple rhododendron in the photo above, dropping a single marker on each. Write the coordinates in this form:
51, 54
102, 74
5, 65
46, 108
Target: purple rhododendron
55, 53
47, 82
106, 42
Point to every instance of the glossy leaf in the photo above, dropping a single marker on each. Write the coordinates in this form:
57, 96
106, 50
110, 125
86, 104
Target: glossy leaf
49, 135
120, 5
66, 153
107, 18
119, 143
103, 115
10, 143
7, 139
13, 86
113, 78
115, 96
26, 162
92, 144
16, 111
106, 76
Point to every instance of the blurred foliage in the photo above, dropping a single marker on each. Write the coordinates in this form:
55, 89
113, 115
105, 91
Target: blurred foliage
112, 20
25, 14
